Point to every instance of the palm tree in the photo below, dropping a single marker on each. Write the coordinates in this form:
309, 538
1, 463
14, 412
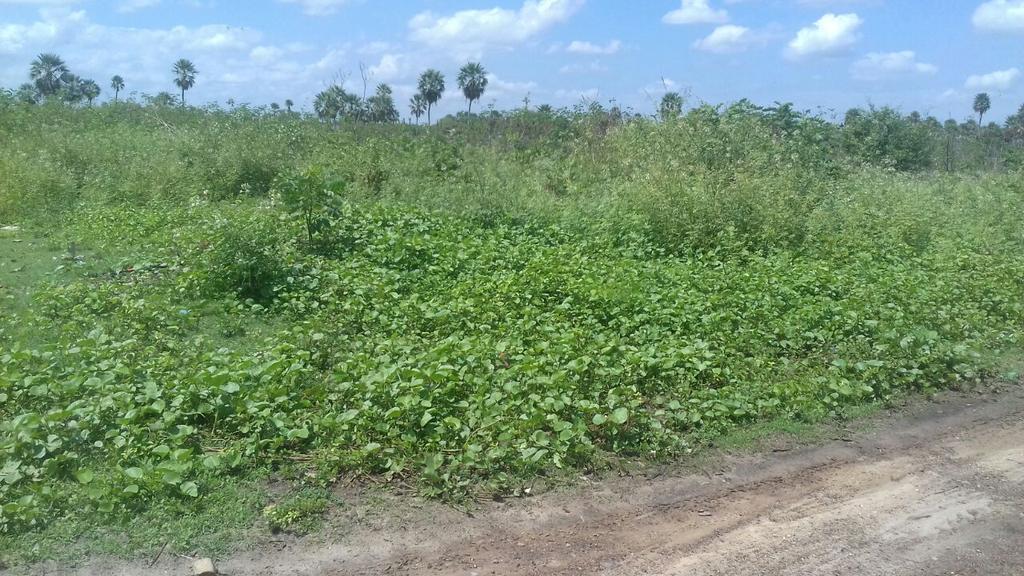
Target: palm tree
432, 88
982, 104
49, 73
288, 105
335, 103
472, 81
671, 105
71, 89
185, 76
417, 106
382, 105
325, 106
116, 84
91, 90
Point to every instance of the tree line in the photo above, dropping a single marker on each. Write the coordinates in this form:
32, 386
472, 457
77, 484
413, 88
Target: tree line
52, 79
880, 135
335, 103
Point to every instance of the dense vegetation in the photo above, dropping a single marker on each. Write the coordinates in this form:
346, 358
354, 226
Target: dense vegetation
467, 306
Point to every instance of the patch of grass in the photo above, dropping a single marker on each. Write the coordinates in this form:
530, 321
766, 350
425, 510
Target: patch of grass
221, 521
299, 512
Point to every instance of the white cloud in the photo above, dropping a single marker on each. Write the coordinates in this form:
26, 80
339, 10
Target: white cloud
318, 7
729, 39
878, 65
390, 67
1000, 15
998, 80
582, 47
831, 34
14, 37
577, 95
127, 6
469, 32
591, 67
695, 12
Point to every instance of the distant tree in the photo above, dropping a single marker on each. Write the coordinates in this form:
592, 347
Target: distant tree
49, 73
382, 105
417, 106
71, 92
184, 76
275, 106
431, 86
671, 105
322, 106
335, 103
162, 99
27, 94
288, 105
90, 90
1015, 127
116, 84
982, 104
473, 81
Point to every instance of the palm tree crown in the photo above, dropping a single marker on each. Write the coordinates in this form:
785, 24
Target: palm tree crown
49, 72
184, 76
90, 89
472, 81
671, 105
982, 104
431, 86
417, 106
116, 84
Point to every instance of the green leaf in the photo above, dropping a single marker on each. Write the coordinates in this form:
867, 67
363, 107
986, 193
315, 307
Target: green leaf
600, 419
189, 489
620, 415
84, 476
134, 473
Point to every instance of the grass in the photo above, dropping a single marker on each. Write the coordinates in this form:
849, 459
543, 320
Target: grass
458, 316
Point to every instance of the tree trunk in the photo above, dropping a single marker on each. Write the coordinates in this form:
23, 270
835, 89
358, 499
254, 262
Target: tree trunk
428, 113
182, 97
470, 105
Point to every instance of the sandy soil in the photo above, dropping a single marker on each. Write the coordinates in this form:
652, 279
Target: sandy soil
937, 488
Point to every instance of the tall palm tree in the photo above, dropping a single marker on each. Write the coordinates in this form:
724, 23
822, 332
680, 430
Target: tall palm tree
288, 105
473, 82
431, 86
91, 90
185, 76
982, 104
417, 106
116, 84
49, 73
671, 105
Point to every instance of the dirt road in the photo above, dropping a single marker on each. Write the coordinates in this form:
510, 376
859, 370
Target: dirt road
938, 489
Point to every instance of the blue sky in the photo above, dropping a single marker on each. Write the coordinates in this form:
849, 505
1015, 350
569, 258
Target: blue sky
826, 55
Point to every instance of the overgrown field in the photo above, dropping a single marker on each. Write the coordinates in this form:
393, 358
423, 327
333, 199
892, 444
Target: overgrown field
197, 299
